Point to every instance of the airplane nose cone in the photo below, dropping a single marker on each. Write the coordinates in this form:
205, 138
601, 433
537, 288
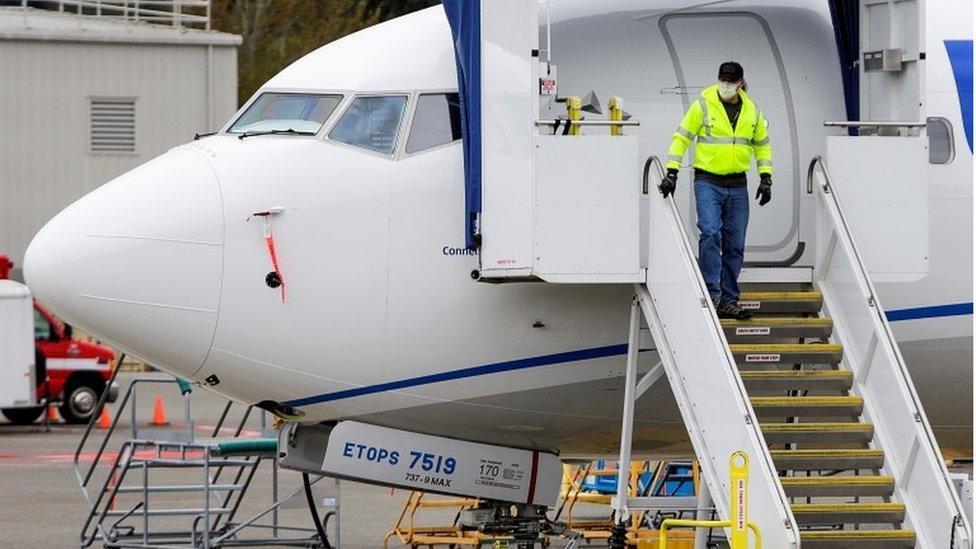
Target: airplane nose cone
137, 262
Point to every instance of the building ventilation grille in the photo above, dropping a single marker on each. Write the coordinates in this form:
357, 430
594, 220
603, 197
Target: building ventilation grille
113, 125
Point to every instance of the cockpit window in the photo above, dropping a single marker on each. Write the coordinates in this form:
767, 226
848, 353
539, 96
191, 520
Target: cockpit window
298, 112
371, 122
437, 121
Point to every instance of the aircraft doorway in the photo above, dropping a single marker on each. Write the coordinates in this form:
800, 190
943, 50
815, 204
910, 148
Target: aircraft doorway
697, 44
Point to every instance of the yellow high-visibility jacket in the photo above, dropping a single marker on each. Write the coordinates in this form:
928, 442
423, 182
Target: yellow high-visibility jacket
719, 149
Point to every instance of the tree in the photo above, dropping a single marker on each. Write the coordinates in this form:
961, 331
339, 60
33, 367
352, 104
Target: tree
278, 32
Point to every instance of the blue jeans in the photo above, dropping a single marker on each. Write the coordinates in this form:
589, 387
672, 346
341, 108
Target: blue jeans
723, 215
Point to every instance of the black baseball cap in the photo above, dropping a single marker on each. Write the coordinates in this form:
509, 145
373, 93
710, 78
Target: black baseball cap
730, 71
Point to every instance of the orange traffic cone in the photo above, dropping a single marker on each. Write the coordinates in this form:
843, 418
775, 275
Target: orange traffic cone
104, 420
159, 413
52, 413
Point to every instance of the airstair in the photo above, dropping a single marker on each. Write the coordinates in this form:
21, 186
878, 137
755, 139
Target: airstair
813, 389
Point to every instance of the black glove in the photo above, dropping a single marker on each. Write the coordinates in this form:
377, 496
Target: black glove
669, 183
765, 192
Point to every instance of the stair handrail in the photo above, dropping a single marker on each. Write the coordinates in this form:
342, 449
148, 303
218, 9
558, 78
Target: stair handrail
653, 160
93, 420
763, 459
884, 335
123, 460
84, 476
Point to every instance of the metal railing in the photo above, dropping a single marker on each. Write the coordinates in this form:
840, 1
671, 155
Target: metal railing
175, 13
881, 376
889, 128
707, 373
873, 124
119, 513
83, 474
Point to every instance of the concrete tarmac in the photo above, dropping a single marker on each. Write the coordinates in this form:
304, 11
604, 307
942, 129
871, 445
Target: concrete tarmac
41, 505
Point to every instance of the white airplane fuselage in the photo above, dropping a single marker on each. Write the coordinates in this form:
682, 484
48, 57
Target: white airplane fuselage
381, 320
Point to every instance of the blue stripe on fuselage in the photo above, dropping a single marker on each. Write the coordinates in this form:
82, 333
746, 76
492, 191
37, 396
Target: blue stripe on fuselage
961, 58
936, 311
474, 371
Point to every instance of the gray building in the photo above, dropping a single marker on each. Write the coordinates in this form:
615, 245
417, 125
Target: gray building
87, 96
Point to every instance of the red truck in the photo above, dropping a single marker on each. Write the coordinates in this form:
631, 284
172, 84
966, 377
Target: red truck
70, 372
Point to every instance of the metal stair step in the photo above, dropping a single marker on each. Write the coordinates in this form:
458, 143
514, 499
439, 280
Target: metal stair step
836, 486
166, 512
813, 380
808, 514
752, 354
180, 488
830, 459
762, 328
189, 463
781, 433
857, 539
781, 302
808, 406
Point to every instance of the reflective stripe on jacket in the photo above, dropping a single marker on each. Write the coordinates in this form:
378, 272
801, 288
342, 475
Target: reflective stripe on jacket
719, 149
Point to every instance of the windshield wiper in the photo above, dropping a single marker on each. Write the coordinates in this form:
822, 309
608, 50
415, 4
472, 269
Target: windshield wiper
289, 131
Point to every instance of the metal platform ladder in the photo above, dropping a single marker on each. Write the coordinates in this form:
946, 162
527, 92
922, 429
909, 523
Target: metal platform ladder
814, 387
166, 487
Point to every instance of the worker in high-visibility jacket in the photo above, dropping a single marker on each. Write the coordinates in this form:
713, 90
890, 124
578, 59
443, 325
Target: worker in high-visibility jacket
729, 130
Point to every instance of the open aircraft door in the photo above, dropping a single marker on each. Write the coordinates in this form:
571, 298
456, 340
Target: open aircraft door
692, 40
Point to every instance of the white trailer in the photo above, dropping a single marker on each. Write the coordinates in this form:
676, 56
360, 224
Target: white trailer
17, 380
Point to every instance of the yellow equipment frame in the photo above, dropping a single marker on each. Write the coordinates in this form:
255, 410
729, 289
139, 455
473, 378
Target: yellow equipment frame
600, 529
410, 534
415, 536
739, 523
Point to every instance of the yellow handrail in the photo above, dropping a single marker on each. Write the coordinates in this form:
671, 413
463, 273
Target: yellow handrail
616, 105
668, 523
739, 504
574, 112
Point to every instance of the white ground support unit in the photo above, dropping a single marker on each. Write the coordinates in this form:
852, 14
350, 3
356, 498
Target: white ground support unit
88, 97
393, 457
17, 379
572, 213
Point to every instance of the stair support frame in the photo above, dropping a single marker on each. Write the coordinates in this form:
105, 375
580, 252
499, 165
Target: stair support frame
620, 504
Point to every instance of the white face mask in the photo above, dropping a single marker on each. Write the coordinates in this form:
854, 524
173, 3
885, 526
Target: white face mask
727, 90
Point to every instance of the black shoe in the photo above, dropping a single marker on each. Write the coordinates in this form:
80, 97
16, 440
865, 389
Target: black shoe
731, 309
